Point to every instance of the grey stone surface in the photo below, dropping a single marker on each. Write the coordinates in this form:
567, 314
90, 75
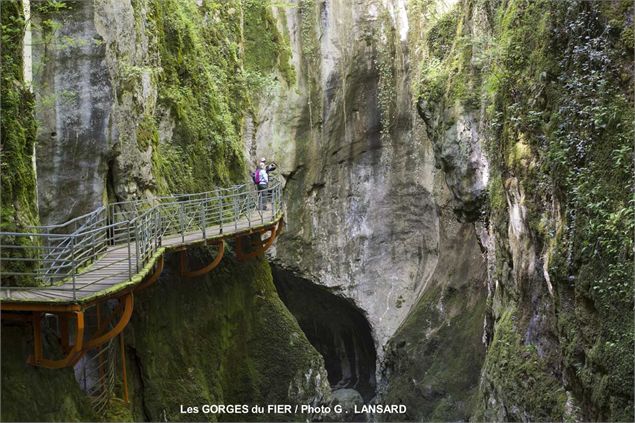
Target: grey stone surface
74, 113
94, 83
363, 192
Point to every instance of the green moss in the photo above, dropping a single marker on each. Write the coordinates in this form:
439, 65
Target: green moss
563, 94
436, 376
117, 411
266, 49
147, 133
33, 393
555, 79
18, 202
447, 75
202, 84
442, 35
221, 339
523, 382
496, 192
519, 154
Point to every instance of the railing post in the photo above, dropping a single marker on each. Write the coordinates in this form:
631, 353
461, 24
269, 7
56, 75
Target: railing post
182, 229
74, 269
129, 256
220, 216
203, 223
235, 205
159, 228
136, 243
273, 202
92, 243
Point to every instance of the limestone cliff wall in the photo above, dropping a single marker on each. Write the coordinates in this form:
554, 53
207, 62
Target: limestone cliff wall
135, 98
365, 198
517, 150
224, 338
523, 81
459, 171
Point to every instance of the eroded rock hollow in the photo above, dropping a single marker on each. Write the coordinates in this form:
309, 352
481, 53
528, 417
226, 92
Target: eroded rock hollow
336, 328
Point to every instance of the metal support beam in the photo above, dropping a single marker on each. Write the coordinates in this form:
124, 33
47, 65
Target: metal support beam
194, 273
242, 255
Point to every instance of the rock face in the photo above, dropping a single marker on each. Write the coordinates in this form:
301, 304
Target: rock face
520, 148
123, 113
363, 191
74, 97
369, 214
456, 182
526, 101
35, 394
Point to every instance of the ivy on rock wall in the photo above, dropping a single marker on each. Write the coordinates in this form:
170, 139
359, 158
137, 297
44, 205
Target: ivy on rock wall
562, 121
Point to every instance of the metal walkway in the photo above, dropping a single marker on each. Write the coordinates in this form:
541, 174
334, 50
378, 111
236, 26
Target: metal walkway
114, 248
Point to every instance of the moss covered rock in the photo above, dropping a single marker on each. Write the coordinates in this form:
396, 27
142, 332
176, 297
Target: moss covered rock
18, 126
553, 89
225, 338
18, 195
33, 393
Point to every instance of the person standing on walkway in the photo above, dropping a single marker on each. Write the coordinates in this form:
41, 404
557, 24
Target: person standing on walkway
262, 183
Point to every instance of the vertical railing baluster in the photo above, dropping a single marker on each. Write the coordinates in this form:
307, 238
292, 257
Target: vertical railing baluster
137, 237
220, 214
273, 203
129, 255
73, 269
203, 223
235, 207
181, 222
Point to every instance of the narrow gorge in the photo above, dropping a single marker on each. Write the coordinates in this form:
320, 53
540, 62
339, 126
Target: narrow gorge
453, 240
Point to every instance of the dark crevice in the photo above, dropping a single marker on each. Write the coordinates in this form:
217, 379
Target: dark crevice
336, 328
139, 391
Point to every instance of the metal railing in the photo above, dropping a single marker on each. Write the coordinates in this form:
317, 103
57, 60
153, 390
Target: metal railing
54, 256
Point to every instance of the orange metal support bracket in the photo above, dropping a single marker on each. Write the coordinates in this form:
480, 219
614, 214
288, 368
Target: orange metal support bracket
152, 279
128, 301
44, 308
104, 327
73, 355
242, 255
204, 270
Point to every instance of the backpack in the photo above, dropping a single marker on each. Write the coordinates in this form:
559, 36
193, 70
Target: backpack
255, 176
